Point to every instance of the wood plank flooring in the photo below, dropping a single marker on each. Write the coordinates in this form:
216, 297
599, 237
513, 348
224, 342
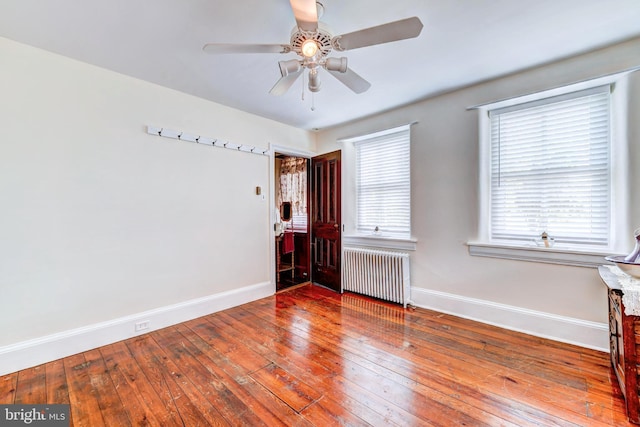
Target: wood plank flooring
311, 357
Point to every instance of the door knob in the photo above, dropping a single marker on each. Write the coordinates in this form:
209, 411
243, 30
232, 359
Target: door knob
336, 226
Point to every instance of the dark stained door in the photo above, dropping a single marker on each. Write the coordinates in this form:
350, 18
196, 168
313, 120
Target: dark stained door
326, 220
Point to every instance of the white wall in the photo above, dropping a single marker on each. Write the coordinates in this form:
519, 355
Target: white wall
444, 179
100, 220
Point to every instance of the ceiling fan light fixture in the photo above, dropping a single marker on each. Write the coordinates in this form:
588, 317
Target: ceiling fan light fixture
336, 64
314, 83
289, 67
309, 48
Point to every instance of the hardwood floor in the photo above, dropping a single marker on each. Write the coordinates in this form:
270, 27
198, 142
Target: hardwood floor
310, 357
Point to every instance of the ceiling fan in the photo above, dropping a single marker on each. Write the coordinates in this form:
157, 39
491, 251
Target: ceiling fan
312, 41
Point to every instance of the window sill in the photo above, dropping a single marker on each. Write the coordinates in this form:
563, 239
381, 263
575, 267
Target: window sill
408, 244
554, 255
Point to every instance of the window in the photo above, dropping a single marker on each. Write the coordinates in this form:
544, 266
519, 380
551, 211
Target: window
550, 170
555, 162
383, 183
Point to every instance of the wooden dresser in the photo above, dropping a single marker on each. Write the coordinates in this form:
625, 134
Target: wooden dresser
624, 343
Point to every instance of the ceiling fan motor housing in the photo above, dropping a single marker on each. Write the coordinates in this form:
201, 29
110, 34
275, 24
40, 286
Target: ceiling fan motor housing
321, 36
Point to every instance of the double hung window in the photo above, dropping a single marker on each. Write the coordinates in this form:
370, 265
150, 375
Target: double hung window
553, 174
550, 171
383, 183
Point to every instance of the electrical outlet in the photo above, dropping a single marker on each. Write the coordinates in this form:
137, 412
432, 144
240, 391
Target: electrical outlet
142, 326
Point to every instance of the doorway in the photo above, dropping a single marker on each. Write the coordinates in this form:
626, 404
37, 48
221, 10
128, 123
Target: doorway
308, 227
291, 220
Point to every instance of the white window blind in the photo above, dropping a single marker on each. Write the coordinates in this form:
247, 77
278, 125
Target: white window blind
299, 222
550, 169
383, 183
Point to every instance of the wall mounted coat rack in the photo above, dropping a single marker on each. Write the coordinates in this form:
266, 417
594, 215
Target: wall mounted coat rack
205, 140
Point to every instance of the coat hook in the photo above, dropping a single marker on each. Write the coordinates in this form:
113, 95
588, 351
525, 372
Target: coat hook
160, 132
179, 135
198, 140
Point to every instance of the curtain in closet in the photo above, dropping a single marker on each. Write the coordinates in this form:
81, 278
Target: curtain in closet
293, 188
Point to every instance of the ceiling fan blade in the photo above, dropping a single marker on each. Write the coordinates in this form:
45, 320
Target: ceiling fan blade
385, 33
306, 14
283, 85
225, 48
352, 80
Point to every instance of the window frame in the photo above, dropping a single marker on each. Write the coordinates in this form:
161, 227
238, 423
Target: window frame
560, 254
380, 239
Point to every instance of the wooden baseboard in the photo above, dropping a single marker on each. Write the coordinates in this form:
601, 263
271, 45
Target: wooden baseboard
15, 357
559, 328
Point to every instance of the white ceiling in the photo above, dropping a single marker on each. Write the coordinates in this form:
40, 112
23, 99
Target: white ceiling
462, 42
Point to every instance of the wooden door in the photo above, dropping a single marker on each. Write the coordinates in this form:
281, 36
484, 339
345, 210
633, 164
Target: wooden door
326, 220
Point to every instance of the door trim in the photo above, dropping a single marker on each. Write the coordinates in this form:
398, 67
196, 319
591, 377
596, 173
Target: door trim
289, 151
